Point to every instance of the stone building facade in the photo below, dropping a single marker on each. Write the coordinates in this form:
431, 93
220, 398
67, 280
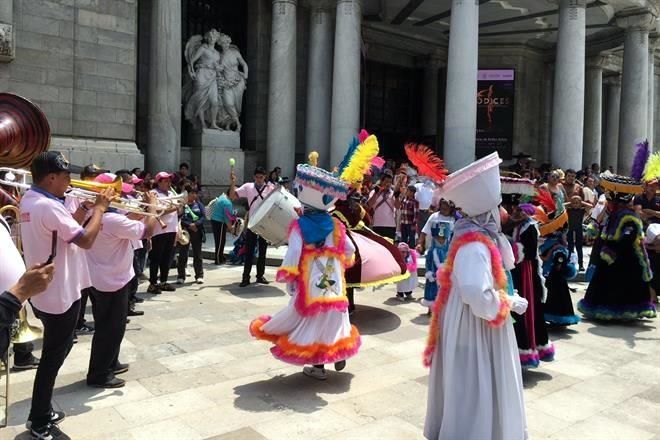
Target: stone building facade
108, 75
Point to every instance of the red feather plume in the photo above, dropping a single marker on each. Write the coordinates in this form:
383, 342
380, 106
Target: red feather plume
426, 161
546, 200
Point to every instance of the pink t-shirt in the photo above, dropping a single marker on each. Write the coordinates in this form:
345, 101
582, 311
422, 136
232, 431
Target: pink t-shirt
110, 258
171, 219
384, 211
40, 215
12, 267
72, 204
249, 191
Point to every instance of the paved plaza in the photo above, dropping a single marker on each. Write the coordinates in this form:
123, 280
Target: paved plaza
196, 374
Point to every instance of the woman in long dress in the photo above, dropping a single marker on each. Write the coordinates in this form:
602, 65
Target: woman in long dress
475, 384
231, 83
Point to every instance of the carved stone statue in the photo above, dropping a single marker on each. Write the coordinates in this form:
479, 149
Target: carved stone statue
213, 91
6, 43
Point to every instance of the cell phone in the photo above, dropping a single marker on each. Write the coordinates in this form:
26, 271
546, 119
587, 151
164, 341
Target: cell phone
53, 248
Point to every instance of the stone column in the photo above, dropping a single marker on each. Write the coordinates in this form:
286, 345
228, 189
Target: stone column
461, 96
568, 98
634, 86
611, 144
319, 80
432, 67
281, 140
164, 119
650, 108
345, 119
593, 115
546, 128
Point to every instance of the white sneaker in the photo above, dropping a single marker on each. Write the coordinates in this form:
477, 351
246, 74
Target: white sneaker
199, 280
179, 280
316, 373
400, 298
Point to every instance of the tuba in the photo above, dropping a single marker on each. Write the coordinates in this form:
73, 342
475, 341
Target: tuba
24, 133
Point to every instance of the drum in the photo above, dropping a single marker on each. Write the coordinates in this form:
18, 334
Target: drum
272, 218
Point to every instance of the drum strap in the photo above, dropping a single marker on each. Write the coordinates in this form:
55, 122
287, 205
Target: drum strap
384, 200
259, 195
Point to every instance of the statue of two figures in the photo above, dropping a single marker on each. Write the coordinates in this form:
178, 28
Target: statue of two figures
213, 89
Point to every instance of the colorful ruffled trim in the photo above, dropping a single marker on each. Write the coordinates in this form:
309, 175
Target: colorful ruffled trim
528, 358
561, 320
445, 283
390, 280
305, 305
609, 313
638, 245
321, 180
311, 354
546, 352
503, 312
287, 274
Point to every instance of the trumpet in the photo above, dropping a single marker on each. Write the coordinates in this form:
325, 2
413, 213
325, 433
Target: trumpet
85, 191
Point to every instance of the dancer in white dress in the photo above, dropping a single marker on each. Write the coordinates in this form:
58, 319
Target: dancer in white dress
314, 329
475, 384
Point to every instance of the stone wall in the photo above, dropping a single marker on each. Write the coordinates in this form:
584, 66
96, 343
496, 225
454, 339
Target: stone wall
77, 60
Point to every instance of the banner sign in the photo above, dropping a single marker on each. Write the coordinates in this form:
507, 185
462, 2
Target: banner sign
495, 96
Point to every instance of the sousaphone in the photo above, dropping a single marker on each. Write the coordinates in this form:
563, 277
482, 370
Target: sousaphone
24, 133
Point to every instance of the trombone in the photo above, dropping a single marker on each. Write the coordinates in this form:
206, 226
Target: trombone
85, 191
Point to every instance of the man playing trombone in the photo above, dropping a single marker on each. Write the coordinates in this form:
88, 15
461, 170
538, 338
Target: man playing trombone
110, 261
50, 234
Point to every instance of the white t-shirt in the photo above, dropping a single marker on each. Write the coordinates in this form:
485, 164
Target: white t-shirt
12, 267
436, 218
384, 210
424, 195
72, 204
41, 214
110, 258
171, 219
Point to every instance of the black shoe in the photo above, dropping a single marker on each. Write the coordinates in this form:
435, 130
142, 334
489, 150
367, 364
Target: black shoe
133, 312
115, 382
340, 365
84, 330
138, 300
30, 364
153, 289
165, 287
245, 282
75, 338
120, 368
55, 418
48, 432
262, 280
128, 321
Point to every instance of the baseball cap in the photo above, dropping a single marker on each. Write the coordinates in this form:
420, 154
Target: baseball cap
109, 178
162, 175
52, 162
135, 180
92, 170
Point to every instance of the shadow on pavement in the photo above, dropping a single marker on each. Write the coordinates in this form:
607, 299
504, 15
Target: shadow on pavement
628, 331
559, 333
252, 291
422, 319
373, 321
295, 392
531, 378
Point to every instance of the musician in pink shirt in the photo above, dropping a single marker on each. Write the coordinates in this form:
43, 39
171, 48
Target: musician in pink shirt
50, 233
384, 200
255, 193
110, 261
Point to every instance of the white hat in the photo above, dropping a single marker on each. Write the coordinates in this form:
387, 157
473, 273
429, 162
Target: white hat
476, 189
318, 188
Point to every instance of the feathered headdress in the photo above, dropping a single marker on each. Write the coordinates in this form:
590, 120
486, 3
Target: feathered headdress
545, 199
313, 158
357, 161
426, 161
652, 171
641, 157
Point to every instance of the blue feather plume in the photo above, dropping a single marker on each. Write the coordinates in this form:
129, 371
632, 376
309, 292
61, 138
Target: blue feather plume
352, 147
641, 157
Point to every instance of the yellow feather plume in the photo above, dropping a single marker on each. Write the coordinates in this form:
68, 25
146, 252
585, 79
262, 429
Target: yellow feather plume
652, 170
360, 163
313, 158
